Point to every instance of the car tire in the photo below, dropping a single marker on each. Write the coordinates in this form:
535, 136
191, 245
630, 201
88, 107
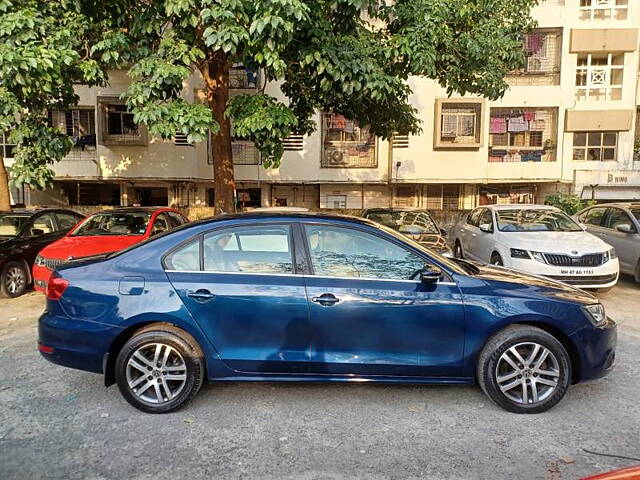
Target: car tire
160, 369
521, 390
637, 272
496, 259
457, 250
14, 279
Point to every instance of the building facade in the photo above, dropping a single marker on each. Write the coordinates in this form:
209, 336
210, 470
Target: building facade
569, 122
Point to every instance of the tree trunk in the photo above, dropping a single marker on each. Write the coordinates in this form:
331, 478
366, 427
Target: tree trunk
216, 78
5, 197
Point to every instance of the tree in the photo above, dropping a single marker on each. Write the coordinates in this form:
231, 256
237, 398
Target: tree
43, 53
567, 202
351, 57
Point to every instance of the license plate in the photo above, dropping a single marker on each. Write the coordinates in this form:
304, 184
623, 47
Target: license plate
574, 271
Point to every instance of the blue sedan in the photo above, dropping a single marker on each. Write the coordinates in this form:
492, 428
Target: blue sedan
310, 297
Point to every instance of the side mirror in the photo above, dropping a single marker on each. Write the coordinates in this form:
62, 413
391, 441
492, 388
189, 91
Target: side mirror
625, 228
430, 274
443, 232
486, 228
36, 232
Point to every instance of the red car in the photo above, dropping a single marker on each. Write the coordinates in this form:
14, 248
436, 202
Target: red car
104, 232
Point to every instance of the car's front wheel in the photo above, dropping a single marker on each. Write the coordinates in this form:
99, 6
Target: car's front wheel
524, 369
14, 279
160, 369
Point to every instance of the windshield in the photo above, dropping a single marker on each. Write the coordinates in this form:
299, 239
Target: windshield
129, 223
406, 222
532, 220
12, 223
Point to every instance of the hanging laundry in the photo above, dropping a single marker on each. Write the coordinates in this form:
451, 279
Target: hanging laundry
495, 159
535, 42
518, 124
338, 122
498, 125
537, 126
348, 126
529, 115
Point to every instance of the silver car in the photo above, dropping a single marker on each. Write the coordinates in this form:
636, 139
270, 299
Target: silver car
618, 224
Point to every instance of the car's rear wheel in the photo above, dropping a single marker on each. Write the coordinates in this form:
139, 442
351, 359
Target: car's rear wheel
14, 279
637, 273
160, 369
457, 251
524, 369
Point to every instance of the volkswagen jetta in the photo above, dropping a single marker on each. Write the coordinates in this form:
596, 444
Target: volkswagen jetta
304, 297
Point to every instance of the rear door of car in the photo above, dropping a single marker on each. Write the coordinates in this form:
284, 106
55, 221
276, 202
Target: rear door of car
40, 232
244, 288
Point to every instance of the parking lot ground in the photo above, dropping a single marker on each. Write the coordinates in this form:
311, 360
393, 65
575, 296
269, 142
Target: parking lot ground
61, 423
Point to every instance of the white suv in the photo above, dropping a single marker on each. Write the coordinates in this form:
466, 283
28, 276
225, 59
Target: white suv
537, 239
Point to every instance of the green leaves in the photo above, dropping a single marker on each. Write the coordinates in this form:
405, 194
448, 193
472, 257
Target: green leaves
264, 120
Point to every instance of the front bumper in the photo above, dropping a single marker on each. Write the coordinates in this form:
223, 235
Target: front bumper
603, 276
76, 344
596, 348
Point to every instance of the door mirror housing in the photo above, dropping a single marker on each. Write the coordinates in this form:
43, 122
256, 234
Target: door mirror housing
625, 228
486, 228
430, 274
443, 232
36, 232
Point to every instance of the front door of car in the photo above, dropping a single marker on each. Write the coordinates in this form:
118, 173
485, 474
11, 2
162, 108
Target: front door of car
367, 316
626, 244
240, 285
469, 233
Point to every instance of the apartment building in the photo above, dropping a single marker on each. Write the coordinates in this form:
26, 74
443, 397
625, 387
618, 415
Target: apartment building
569, 122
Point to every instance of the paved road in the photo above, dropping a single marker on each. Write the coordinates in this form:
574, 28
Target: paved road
59, 423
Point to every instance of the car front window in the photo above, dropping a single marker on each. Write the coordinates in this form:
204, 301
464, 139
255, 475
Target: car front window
11, 224
109, 223
345, 252
535, 220
406, 222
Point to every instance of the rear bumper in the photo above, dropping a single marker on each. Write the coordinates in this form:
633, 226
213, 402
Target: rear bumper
74, 343
596, 349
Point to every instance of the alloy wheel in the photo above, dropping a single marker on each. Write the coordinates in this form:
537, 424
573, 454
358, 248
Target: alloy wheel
527, 373
14, 279
156, 373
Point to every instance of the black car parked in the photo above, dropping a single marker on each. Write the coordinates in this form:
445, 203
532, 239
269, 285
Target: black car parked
23, 233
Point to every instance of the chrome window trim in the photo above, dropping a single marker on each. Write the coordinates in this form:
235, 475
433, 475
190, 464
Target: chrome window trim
306, 276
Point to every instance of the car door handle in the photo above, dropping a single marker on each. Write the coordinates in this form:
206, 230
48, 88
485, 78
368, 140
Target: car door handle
201, 295
326, 299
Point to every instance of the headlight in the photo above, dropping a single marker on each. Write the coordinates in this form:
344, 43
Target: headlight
517, 253
538, 256
596, 313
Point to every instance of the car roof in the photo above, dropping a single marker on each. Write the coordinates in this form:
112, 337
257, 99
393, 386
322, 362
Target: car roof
33, 211
396, 209
617, 204
288, 215
519, 206
136, 210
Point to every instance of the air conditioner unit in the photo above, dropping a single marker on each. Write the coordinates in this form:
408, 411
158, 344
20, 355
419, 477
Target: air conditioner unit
334, 157
535, 65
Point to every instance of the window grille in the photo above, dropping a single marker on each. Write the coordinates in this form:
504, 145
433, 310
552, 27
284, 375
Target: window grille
599, 77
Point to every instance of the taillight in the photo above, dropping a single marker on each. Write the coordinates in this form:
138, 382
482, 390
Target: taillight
56, 287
